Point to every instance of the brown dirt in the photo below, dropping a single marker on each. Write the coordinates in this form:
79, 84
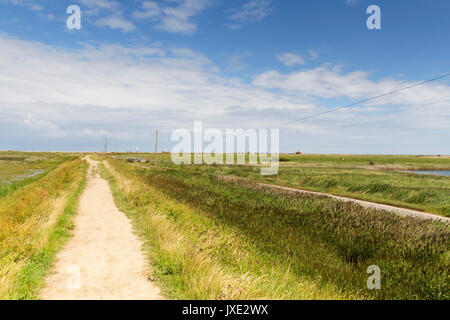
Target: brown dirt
103, 259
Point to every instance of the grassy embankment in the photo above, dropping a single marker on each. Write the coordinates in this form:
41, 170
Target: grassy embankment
35, 220
18, 169
210, 239
382, 179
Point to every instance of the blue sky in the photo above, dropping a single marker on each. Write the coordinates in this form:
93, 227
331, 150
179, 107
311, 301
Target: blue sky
140, 65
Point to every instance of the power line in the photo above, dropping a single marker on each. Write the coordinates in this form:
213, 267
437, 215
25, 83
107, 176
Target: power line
362, 101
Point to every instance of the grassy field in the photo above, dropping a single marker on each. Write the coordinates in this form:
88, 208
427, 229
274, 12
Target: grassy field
17, 169
35, 217
382, 179
214, 238
210, 239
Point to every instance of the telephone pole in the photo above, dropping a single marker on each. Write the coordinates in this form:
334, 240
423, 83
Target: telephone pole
106, 145
156, 151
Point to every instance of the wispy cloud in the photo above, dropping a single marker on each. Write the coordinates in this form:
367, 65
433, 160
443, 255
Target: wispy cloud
30, 4
102, 4
116, 22
175, 16
330, 82
236, 61
45, 127
290, 59
107, 13
149, 10
125, 91
313, 54
251, 11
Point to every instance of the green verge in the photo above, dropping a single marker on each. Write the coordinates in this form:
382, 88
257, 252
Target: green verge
380, 179
283, 237
194, 257
425, 193
31, 279
46, 165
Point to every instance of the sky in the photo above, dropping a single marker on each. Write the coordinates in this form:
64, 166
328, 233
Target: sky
137, 66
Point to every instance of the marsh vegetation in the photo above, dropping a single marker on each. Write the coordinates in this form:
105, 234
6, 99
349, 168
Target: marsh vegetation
210, 239
35, 217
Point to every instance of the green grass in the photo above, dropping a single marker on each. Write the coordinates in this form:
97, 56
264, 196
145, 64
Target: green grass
209, 238
386, 180
36, 220
421, 192
31, 279
386, 161
194, 257
18, 169
243, 230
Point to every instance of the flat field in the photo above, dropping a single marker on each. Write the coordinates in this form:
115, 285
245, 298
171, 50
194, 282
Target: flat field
17, 169
212, 239
382, 179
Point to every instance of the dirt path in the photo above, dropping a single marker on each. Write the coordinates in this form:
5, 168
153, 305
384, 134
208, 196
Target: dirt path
103, 259
367, 204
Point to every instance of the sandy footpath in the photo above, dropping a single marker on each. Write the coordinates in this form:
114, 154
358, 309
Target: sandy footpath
367, 204
103, 259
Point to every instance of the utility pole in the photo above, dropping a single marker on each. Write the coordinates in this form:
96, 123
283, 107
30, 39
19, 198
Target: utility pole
106, 144
156, 151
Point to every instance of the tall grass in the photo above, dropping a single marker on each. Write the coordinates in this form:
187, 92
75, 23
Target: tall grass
15, 169
316, 240
196, 258
34, 222
421, 192
375, 178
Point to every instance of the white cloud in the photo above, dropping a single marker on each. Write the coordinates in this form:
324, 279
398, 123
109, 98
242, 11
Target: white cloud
150, 9
330, 82
30, 4
236, 61
173, 18
31, 122
46, 128
102, 4
313, 54
251, 11
96, 7
116, 22
135, 78
290, 59
352, 2
111, 12
126, 91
